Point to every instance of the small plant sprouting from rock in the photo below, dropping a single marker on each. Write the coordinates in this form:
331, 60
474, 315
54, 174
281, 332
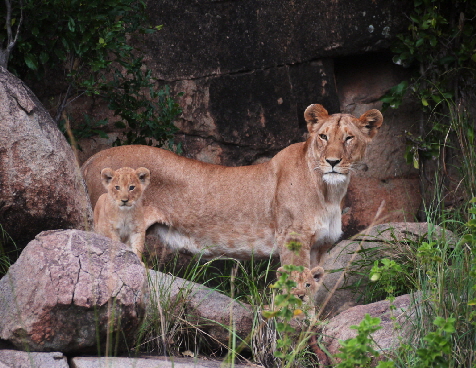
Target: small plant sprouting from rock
358, 352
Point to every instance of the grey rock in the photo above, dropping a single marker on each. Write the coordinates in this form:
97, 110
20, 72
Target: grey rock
338, 264
387, 338
23, 359
207, 309
357, 256
64, 288
41, 187
149, 362
393, 232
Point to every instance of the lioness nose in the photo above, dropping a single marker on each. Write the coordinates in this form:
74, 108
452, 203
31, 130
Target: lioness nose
124, 200
332, 162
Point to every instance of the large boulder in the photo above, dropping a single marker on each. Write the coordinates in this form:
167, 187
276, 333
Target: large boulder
70, 289
41, 187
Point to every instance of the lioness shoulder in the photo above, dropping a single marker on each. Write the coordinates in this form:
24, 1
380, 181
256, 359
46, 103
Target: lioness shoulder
119, 213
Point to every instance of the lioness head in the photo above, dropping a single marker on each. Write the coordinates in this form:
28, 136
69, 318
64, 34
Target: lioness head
338, 141
307, 282
125, 185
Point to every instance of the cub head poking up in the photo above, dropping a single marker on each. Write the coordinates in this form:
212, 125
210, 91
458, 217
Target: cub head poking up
338, 141
307, 282
119, 213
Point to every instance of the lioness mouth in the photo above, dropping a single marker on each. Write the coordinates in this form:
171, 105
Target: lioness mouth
334, 177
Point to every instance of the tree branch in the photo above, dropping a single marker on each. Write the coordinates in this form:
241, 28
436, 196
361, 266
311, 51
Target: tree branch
11, 40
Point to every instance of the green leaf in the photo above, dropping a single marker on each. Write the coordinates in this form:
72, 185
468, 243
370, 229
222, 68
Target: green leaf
31, 62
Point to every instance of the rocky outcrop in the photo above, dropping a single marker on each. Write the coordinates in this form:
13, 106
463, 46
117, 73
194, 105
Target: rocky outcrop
72, 291
207, 38
349, 262
41, 187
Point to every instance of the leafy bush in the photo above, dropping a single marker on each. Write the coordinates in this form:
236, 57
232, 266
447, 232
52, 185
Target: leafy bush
76, 48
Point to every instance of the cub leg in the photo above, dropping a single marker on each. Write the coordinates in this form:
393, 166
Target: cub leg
137, 243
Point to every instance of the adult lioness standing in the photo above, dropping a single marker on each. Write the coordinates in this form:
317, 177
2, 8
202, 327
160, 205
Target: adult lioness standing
254, 210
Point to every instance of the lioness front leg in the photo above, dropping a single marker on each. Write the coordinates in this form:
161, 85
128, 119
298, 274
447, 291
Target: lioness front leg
295, 249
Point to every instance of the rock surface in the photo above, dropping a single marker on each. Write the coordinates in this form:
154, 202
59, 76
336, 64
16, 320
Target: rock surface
23, 359
41, 187
387, 338
64, 288
149, 362
336, 261
214, 37
378, 242
205, 308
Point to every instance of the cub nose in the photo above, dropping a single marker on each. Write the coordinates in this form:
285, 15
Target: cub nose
332, 162
124, 201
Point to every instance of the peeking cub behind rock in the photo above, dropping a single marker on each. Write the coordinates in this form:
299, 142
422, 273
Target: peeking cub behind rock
119, 213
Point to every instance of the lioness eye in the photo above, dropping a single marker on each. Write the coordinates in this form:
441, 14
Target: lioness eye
131, 187
117, 187
349, 138
308, 284
323, 136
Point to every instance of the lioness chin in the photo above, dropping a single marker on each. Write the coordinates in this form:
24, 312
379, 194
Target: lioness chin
252, 211
119, 213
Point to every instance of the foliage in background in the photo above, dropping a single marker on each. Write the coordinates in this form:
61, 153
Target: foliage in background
76, 48
440, 46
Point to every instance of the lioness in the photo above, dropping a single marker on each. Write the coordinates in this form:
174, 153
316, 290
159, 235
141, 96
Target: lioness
252, 210
119, 213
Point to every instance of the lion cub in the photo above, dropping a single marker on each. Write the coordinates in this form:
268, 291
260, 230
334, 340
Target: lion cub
119, 213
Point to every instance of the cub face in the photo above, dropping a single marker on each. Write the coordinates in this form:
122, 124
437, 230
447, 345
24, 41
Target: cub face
125, 185
307, 282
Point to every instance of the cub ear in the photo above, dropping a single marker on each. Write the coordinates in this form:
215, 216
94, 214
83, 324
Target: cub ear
144, 176
279, 271
317, 273
370, 122
106, 176
315, 115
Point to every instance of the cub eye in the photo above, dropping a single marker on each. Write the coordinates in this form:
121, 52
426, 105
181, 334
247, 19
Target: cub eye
348, 138
323, 136
308, 284
117, 187
132, 187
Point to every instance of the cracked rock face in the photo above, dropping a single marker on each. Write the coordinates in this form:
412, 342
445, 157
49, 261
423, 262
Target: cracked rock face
40, 184
67, 288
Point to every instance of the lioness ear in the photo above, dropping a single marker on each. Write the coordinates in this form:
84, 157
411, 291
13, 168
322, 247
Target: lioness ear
315, 115
317, 273
370, 122
106, 176
279, 271
144, 176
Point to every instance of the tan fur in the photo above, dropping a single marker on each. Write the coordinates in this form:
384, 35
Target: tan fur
119, 213
254, 210
307, 282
